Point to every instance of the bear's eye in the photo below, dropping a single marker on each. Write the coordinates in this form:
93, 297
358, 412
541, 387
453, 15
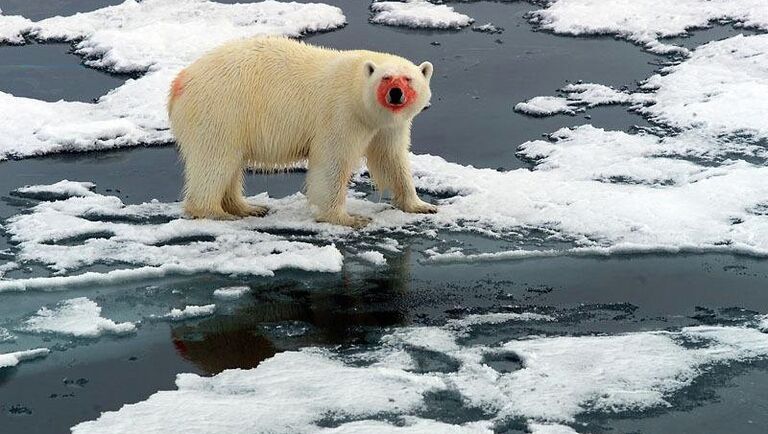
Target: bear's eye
408, 79
387, 78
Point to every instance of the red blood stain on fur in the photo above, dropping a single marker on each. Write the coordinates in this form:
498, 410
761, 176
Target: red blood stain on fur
387, 84
177, 87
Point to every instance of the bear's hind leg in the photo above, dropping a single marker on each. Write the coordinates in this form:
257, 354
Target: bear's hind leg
234, 201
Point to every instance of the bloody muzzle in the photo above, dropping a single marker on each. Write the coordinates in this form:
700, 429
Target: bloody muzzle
395, 93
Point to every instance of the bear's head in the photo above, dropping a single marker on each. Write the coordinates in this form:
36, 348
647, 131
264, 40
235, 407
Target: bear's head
397, 89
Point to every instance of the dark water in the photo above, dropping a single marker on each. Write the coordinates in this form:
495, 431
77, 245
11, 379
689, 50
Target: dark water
477, 83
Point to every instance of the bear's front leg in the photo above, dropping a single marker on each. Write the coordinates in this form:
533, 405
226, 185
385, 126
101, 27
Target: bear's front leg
328, 176
390, 168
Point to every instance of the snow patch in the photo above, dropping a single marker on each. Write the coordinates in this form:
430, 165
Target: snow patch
720, 90
498, 318
60, 190
550, 428
645, 22
12, 359
231, 293
418, 14
135, 37
374, 257
6, 336
579, 97
78, 232
78, 317
545, 106
190, 311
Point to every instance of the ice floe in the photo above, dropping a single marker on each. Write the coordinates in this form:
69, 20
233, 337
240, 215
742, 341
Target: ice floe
68, 235
60, 190
545, 106
560, 377
78, 317
372, 256
8, 360
602, 192
720, 90
231, 293
189, 312
151, 37
581, 96
6, 336
12, 27
418, 14
550, 428
646, 22
488, 28
498, 318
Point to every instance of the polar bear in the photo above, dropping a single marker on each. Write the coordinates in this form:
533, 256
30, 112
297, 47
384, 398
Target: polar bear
270, 102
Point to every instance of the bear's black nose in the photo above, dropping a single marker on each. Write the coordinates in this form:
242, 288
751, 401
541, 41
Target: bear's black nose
395, 96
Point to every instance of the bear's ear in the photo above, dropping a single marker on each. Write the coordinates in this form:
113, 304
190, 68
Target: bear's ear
426, 69
369, 68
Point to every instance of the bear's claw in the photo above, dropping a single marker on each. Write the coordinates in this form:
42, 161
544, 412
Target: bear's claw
420, 207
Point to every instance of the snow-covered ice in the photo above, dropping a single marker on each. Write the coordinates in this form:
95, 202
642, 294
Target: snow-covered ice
78, 317
581, 96
488, 28
77, 232
418, 14
372, 256
550, 428
498, 318
12, 27
560, 378
720, 90
189, 312
60, 190
153, 37
8, 360
6, 336
602, 191
231, 293
646, 22
545, 106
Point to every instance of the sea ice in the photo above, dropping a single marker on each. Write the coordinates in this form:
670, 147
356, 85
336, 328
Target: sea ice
152, 37
8, 360
6, 336
78, 317
418, 14
560, 378
100, 229
372, 256
190, 311
720, 90
645, 22
231, 292
579, 97
60, 190
545, 106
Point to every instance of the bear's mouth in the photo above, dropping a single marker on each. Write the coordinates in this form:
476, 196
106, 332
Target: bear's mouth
396, 96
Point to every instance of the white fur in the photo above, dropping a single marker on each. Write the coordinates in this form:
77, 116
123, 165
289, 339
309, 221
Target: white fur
270, 102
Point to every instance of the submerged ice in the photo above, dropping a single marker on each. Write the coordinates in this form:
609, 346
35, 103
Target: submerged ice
78, 317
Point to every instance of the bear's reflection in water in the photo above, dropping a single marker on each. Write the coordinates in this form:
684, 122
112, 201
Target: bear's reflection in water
287, 314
